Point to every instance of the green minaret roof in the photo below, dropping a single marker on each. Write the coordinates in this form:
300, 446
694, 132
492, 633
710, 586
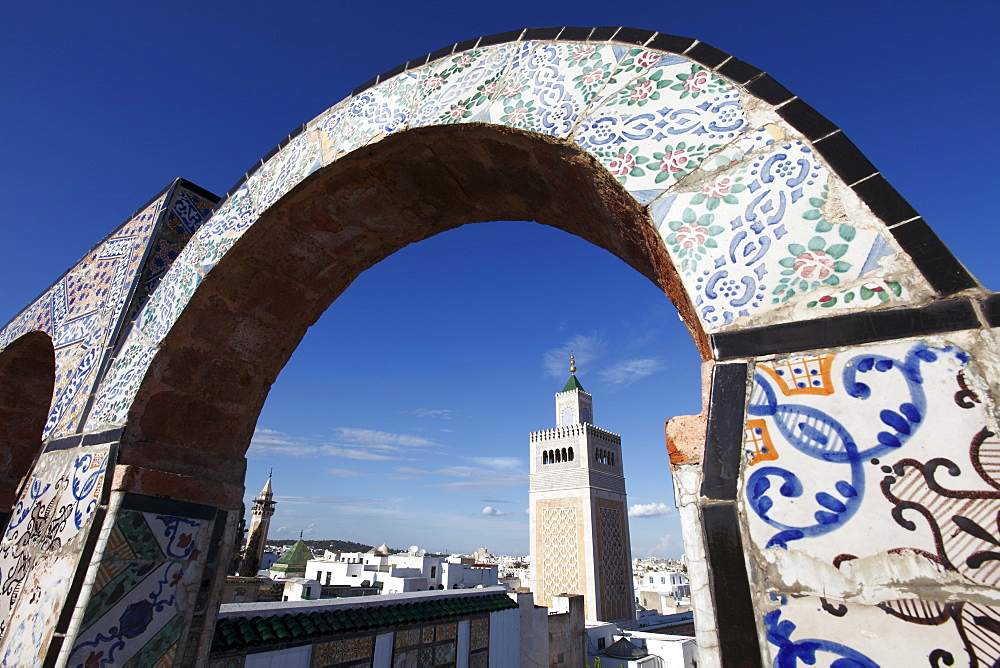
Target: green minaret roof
293, 559
573, 384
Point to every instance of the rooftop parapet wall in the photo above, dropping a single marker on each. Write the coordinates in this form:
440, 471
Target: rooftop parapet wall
575, 430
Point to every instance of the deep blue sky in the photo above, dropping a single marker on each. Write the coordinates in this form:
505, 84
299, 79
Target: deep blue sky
441, 357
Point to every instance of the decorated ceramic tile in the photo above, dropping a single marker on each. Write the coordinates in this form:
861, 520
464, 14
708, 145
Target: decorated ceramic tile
877, 450
115, 395
756, 236
147, 580
167, 302
661, 125
911, 632
460, 87
328, 126
286, 169
40, 546
552, 85
378, 111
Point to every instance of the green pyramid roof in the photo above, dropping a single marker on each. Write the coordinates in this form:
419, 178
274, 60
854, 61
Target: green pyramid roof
297, 555
573, 384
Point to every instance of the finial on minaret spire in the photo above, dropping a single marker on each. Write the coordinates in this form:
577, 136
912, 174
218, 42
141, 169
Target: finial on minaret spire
572, 363
270, 473
300, 534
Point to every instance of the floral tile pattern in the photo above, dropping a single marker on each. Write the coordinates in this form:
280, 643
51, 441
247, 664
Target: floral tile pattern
83, 312
757, 235
148, 578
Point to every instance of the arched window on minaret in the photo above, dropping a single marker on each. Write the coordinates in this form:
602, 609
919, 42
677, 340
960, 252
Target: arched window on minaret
545, 456
571, 454
564, 455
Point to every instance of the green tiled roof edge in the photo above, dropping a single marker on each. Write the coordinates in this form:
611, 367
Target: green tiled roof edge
236, 633
573, 384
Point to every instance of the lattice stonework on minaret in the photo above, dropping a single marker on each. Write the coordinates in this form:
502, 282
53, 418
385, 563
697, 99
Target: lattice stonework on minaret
612, 563
560, 566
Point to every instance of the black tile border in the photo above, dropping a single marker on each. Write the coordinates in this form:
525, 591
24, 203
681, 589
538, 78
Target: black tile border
724, 436
846, 159
156, 504
109, 436
884, 201
739, 72
735, 617
634, 36
707, 55
991, 309
671, 43
948, 315
541, 34
575, 34
806, 120
941, 269
500, 38
767, 88
64, 443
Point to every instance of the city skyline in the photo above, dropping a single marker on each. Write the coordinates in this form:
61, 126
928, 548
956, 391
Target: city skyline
404, 414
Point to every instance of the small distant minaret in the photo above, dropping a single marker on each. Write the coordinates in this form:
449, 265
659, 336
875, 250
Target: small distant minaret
578, 510
260, 519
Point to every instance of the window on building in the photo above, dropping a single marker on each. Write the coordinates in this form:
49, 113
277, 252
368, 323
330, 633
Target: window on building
434, 571
663, 581
650, 579
601, 643
571, 454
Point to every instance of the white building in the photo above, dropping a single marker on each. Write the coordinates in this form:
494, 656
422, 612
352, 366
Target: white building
578, 511
663, 591
399, 573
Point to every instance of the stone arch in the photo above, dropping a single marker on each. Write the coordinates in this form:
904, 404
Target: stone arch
27, 377
792, 261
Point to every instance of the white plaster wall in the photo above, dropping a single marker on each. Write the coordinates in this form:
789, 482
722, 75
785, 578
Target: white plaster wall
505, 638
295, 657
383, 650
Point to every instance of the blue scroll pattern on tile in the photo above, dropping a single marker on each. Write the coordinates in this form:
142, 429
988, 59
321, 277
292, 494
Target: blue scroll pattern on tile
820, 436
792, 652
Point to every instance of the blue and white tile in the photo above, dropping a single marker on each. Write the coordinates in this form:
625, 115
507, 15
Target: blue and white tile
459, 88
756, 236
882, 449
286, 169
119, 387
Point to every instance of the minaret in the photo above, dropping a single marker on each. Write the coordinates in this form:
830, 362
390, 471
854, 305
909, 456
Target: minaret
260, 522
578, 511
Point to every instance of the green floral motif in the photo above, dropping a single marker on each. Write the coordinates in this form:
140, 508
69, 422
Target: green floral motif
592, 77
639, 59
698, 81
690, 237
883, 293
520, 114
580, 55
623, 164
809, 267
643, 89
676, 161
722, 189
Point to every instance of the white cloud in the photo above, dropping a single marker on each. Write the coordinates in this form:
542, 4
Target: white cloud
490, 510
470, 478
357, 444
655, 509
585, 349
345, 473
371, 437
627, 372
443, 413
662, 547
497, 462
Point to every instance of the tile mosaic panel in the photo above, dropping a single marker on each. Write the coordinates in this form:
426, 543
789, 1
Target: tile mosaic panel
753, 235
147, 579
460, 88
83, 311
661, 125
40, 547
878, 450
815, 631
757, 236
342, 651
